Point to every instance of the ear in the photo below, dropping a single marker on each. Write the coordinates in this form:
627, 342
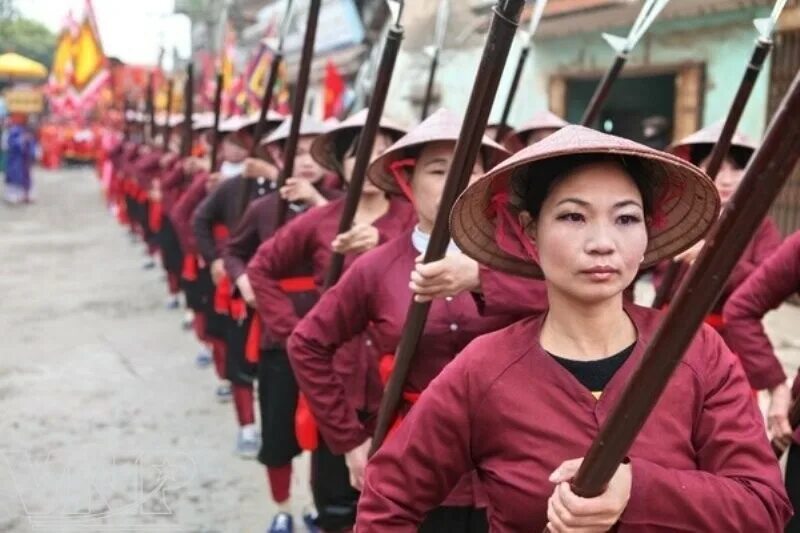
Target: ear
528, 224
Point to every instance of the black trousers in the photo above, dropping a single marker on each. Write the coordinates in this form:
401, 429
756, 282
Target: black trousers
238, 369
793, 486
335, 499
171, 254
455, 520
277, 399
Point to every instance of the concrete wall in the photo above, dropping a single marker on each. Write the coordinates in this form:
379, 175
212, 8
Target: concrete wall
723, 42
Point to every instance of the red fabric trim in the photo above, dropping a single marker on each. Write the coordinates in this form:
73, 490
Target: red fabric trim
305, 425
189, 270
238, 309
252, 349
220, 232
155, 216
222, 296
298, 284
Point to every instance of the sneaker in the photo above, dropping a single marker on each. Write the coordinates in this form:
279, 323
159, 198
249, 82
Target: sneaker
223, 393
282, 523
310, 521
149, 265
204, 360
248, 442
188, 321
173, 303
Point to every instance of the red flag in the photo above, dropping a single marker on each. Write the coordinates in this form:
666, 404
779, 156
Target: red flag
334, 91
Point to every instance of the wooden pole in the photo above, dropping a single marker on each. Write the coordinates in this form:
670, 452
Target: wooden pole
188, 111
290, 147
512, 93
721, 148
426, 102
603, 90
366, 143
215, 136
495, 53
770, 167
167, 131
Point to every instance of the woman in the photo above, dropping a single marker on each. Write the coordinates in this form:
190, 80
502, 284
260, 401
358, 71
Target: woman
771, 284
373, 295
585, 211
303, 191
309, 241
697, 149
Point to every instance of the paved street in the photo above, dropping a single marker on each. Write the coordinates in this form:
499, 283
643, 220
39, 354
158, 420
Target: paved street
106, 424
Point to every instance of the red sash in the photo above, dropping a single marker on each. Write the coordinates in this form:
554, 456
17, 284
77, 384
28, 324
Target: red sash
189, 270
220, 232
252, 350
154, 216
223, 296
305, 425
385, 369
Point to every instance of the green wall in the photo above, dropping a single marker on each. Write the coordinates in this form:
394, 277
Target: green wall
723, 42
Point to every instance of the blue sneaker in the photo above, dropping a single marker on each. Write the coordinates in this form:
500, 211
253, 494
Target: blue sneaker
223, 393
282, 523
149, 265
310, 521
173, 303
203, 359
248, 442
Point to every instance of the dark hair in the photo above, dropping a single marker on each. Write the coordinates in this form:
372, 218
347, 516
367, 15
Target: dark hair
739, 155
531, 185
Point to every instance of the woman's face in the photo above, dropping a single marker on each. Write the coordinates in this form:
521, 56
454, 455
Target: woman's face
304, 165
382, 142
427, 182
232, 152
591, 233
728, 178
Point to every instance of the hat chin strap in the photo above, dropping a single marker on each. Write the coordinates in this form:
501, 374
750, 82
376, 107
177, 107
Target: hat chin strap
398, 169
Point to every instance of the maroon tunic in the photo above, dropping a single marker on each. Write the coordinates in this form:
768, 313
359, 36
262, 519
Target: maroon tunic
507, 409
258, 225
305, 243
764, 242
503, 293
308, 238
374, 293
181, 214
223, 206
174, 182
770, 285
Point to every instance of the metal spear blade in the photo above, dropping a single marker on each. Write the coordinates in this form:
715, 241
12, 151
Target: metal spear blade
396, 10
650, 10
766, 26
287, 15
536, 17
441, 27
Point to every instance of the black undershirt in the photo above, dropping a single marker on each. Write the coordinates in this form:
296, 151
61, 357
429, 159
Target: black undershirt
595, 375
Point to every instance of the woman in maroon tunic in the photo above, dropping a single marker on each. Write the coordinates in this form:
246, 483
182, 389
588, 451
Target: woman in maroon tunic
584, 211
308, 242
697, 149
373, 296
771, 284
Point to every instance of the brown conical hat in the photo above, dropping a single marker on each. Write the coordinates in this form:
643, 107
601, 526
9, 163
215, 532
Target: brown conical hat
240, 122
709, 136
544, 120
509, 137
308, 126
688, 203
324, 149
203, 121
443, 125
